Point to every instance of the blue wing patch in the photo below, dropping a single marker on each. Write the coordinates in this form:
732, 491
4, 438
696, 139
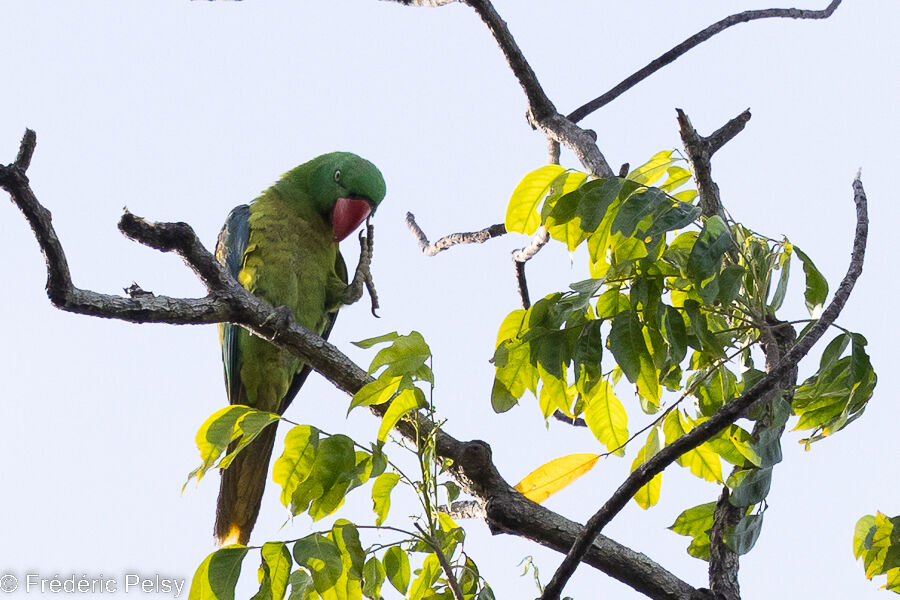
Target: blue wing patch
230, 248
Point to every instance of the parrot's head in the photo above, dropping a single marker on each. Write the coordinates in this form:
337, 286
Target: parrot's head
344, 188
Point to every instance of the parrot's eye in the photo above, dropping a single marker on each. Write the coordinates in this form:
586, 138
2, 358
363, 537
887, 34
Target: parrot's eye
337, 176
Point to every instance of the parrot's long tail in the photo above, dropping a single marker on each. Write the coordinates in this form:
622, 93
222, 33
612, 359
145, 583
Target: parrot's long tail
241, 490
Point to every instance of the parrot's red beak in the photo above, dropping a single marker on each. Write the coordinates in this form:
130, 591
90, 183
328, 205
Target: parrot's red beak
346, 216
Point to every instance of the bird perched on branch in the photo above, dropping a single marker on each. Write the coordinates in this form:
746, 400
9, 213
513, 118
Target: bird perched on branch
283, 247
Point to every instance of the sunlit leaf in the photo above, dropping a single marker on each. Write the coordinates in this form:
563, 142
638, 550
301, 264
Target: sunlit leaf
816, 286
217, 575
654, 168
553, 476
522, 215
381, 495
396, 565
606, 417
405, 356
648, 495
274, 572
408, 400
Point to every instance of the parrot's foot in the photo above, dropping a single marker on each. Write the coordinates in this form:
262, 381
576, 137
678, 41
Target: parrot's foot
282, 320
363, 276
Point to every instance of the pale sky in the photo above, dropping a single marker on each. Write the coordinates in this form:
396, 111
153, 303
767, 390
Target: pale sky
181, 110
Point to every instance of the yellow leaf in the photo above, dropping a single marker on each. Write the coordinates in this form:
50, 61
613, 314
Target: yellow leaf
548, 479
648, 495
521, 213
554, 393
606, 417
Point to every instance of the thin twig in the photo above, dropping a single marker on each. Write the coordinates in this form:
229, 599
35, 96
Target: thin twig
448, 241
693, 41
445, 564
723, 417
523, 255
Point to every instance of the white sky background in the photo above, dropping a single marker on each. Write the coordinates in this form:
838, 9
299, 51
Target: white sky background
181, 110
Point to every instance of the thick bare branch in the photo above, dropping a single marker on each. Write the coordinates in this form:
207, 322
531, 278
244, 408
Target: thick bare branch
725, 415
542, 114
693, 41
700, 150
448, 241
229, 302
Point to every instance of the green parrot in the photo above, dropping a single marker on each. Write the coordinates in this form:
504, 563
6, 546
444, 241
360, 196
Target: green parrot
283, 247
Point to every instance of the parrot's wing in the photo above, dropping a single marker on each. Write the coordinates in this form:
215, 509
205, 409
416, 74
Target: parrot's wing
340, 267
230, 248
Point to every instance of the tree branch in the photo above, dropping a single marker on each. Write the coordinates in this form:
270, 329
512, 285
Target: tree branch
693, 41
700, 150
542, 114
723, 417
448, 241
228, 301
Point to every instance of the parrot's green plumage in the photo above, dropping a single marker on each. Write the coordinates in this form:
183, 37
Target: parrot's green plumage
283, 247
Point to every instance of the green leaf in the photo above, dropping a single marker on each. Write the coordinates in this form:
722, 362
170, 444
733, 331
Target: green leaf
636, 207
864, 528
324, 482
706, 254
752, 486
381, 495
816, 286
217, 575
373, 578
671, 217
396, 565
322, 558
302, 586
675, 333
730, 280
405, 356
215, 434
408, 400
560, 216
744, 535
606, 417
429, 573
677, 177
735, 445
369, 342
274, 572
654, 168
594, 200
696, 522
553, 394
379, 391
521, 214
295, 464
707, 340
626, 342
702, 461
515, 373
784, 263
716, 390
648, 495
588, 351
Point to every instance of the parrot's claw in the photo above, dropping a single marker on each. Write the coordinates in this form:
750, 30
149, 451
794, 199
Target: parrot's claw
281, 321
363, 276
